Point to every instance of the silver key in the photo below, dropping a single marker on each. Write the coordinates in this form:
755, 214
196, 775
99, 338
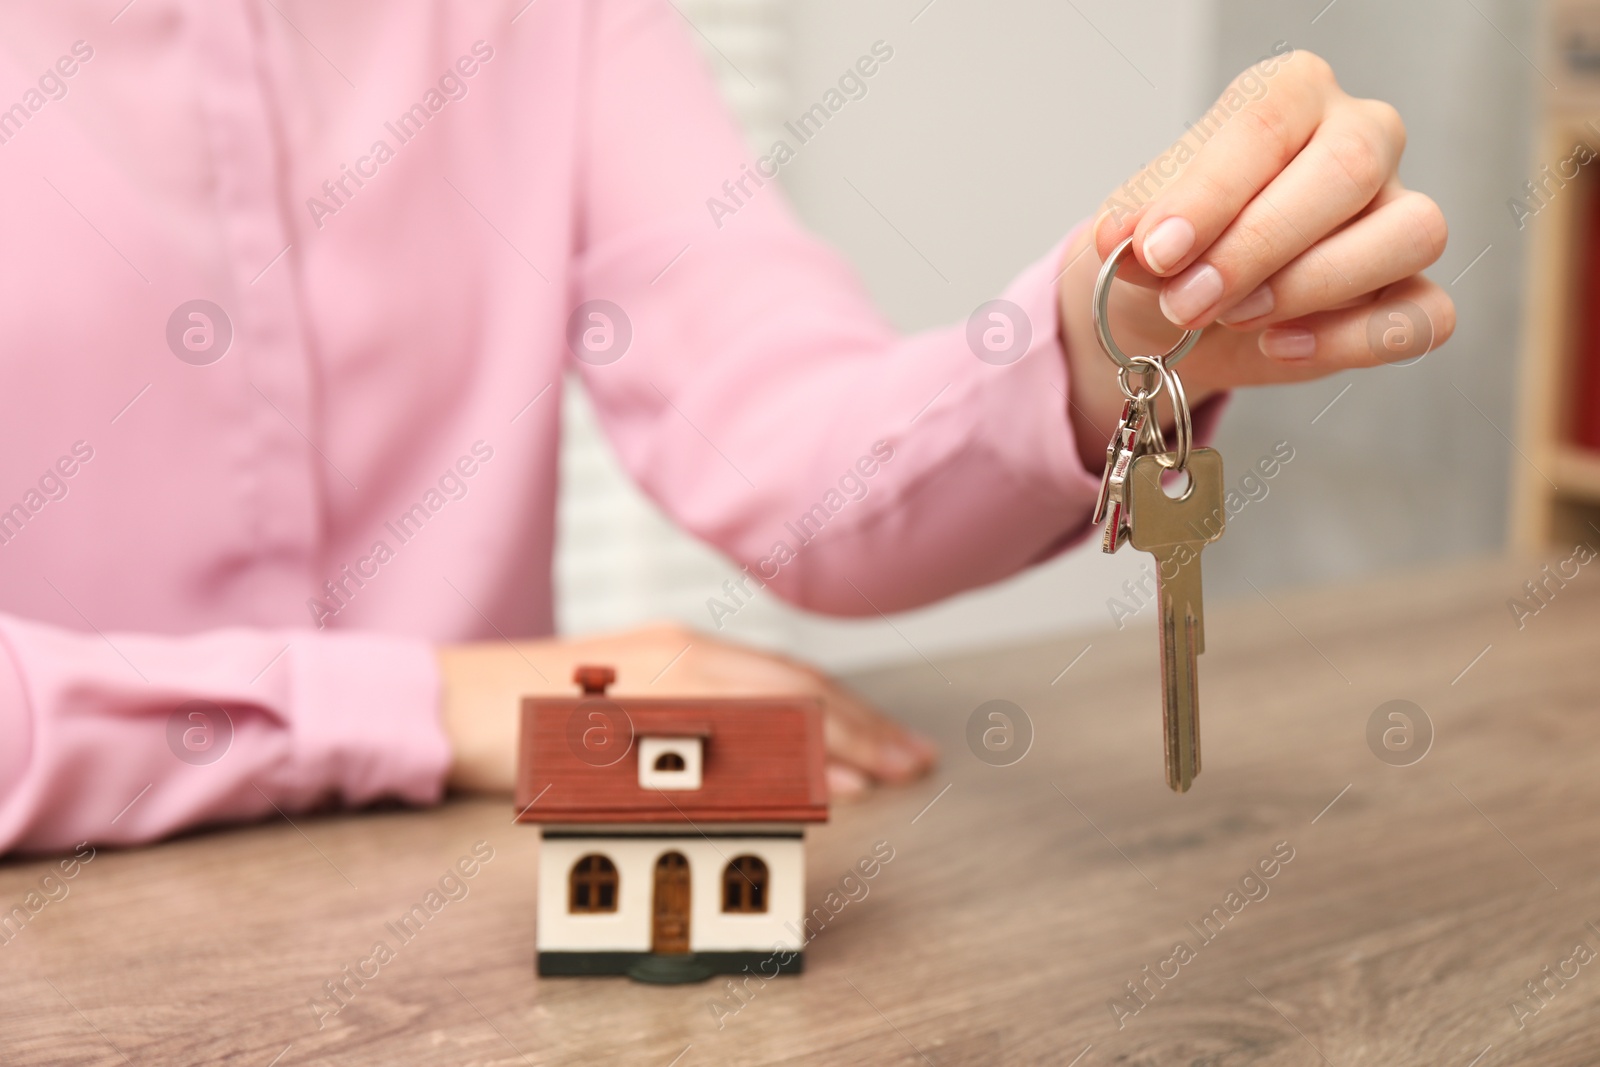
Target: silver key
1136, 434
1129, 429
1175, 531
1116, 528
1115, 533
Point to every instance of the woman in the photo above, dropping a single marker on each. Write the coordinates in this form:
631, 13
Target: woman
282, 328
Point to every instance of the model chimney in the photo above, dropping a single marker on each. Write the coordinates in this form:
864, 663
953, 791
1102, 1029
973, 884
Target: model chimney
594, 680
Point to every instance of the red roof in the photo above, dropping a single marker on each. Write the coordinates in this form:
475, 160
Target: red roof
762, 760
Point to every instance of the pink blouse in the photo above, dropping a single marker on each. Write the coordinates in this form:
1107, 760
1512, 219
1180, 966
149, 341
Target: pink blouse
286, 292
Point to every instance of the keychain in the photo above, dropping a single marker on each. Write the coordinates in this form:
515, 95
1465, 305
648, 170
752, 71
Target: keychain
1136, 508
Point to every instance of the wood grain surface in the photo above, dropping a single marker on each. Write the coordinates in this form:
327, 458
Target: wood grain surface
1020, 900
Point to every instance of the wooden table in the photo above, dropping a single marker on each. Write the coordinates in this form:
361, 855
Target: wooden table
1021, 899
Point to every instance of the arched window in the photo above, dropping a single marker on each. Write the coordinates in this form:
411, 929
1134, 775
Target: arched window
744, 885
593, 885
669, 761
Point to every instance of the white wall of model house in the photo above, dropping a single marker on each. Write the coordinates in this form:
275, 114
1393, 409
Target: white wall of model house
974, 144
628, 929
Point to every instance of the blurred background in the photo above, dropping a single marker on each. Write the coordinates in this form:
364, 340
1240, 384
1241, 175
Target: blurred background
998, 126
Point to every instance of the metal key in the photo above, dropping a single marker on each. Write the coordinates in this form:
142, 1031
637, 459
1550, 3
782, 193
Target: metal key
1175, 531
1115, 534
1137, 432
1129, 429
1126, 443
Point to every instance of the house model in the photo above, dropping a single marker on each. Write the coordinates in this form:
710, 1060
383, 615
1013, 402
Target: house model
673, 830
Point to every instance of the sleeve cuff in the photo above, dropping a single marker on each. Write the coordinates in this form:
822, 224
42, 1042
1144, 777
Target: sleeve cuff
367, 711
1042, 372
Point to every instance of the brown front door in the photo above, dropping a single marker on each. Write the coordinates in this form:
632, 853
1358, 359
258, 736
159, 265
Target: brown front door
670, 931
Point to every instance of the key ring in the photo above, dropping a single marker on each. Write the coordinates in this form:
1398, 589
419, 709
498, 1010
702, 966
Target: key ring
1185, 424
1102, 327
1154, 438
1146, 366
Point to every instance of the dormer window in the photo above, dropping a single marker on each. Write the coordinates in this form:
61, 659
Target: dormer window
669, 763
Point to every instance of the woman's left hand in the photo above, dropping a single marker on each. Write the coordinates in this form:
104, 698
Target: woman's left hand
483, 685
1280, 222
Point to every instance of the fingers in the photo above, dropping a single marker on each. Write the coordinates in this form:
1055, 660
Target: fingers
1405, 322
860, 740
1405, 235
866, 740
1232, 163
1347, 163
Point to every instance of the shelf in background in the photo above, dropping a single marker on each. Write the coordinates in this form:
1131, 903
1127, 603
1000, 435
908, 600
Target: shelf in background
1576, 472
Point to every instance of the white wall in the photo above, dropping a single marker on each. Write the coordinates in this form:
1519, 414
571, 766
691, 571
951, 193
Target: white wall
1404, 470
628, 928
996, 127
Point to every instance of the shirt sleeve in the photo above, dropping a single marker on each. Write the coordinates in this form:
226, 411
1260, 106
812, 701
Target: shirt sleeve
762, 400
125, 738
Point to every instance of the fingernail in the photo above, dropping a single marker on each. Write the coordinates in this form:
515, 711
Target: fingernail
845, 781
1099, 221
898, 762
1191, 293
1167, 244
1289, 344
1259, 303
